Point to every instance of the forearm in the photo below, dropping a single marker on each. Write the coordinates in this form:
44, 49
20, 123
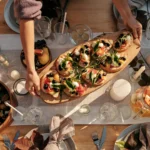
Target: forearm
123, 8
27, 39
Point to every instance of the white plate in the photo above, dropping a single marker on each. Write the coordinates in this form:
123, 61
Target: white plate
9, 16
67, 144
125, 132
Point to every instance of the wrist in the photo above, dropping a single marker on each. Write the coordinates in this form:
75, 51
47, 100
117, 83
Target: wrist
31, 70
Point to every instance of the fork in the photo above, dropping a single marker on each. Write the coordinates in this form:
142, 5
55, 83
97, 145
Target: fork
6, 141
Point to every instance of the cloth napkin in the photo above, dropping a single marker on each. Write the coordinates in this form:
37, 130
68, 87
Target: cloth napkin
134, 4
60, 128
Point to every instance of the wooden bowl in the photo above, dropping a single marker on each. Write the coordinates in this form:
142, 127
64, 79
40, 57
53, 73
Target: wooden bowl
9, 119
43, 67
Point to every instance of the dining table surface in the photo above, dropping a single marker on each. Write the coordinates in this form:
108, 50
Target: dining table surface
98, 15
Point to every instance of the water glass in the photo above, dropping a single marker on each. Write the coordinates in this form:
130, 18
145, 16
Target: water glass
108, 112
33, 115
61, 33
43, 27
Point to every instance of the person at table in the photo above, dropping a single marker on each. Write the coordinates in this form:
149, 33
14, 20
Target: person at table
28, 10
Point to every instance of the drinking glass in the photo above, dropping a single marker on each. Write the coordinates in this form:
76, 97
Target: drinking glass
33, 115
61, 33
43, 27
108, 112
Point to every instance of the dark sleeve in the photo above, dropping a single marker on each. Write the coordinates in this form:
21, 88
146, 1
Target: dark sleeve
27, 9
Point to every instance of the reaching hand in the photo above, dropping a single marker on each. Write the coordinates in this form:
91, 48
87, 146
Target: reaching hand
33, 83
135, 26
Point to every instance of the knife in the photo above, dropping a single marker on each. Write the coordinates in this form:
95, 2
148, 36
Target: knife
102, 139
17, 135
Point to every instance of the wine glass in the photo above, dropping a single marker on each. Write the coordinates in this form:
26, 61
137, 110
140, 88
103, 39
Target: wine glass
108, 112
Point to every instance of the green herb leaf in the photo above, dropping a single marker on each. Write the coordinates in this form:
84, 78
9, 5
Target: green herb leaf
63, 65
70, 85
96, 46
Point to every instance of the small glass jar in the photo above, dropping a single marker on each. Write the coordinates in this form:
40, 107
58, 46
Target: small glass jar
19, 87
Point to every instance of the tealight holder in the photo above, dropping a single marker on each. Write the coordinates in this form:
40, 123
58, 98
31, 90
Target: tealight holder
19, 87
84, 109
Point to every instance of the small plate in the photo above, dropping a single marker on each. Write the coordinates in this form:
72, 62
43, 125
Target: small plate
9, 16
67, 144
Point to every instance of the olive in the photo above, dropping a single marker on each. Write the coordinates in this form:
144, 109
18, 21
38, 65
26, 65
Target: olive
56, 90
120, 36
119, 64
73, 92
76, 93
50, 75
123, 58
76, 58
104, 74
103, 64
45, 86
60, 68
95, 55
87, 52
85, 63
107, 44
82, 50
117, 45
53, 81
99, 76
84, 70
123, 41
85, 46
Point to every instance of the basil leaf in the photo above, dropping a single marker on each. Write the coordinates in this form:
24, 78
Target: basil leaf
63, 65
96, 46
90, 76
70, 85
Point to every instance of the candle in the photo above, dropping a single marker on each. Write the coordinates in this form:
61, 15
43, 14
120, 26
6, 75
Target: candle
84, 109
138, 73
120, 89
14, 74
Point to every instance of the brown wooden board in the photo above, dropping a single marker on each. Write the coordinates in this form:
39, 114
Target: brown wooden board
131, 52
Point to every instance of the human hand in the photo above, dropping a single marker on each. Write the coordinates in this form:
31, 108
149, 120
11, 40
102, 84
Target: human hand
33, 83
135, 26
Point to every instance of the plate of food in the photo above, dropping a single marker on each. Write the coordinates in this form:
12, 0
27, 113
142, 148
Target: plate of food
134, 138
5, 111
33, 139
87, 67
42, 56
140, 101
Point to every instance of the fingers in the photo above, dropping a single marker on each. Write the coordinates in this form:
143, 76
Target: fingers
31, 89
137, 32
37, 89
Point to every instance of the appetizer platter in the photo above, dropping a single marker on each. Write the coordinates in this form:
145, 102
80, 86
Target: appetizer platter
87, 67
42, 56
140, 101
5, 111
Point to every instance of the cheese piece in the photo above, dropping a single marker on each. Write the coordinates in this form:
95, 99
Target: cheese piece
120, 89
128, 38
60, 60
101, 45
85, 57
51, 85
77, 52
76, 84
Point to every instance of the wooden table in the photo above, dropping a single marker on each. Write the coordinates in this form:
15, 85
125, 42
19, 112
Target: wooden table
98, 15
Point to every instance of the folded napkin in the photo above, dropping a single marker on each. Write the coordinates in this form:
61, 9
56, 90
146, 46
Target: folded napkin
60, 128
134, 5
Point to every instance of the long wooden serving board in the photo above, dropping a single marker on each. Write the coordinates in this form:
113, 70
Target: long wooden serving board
131, 52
